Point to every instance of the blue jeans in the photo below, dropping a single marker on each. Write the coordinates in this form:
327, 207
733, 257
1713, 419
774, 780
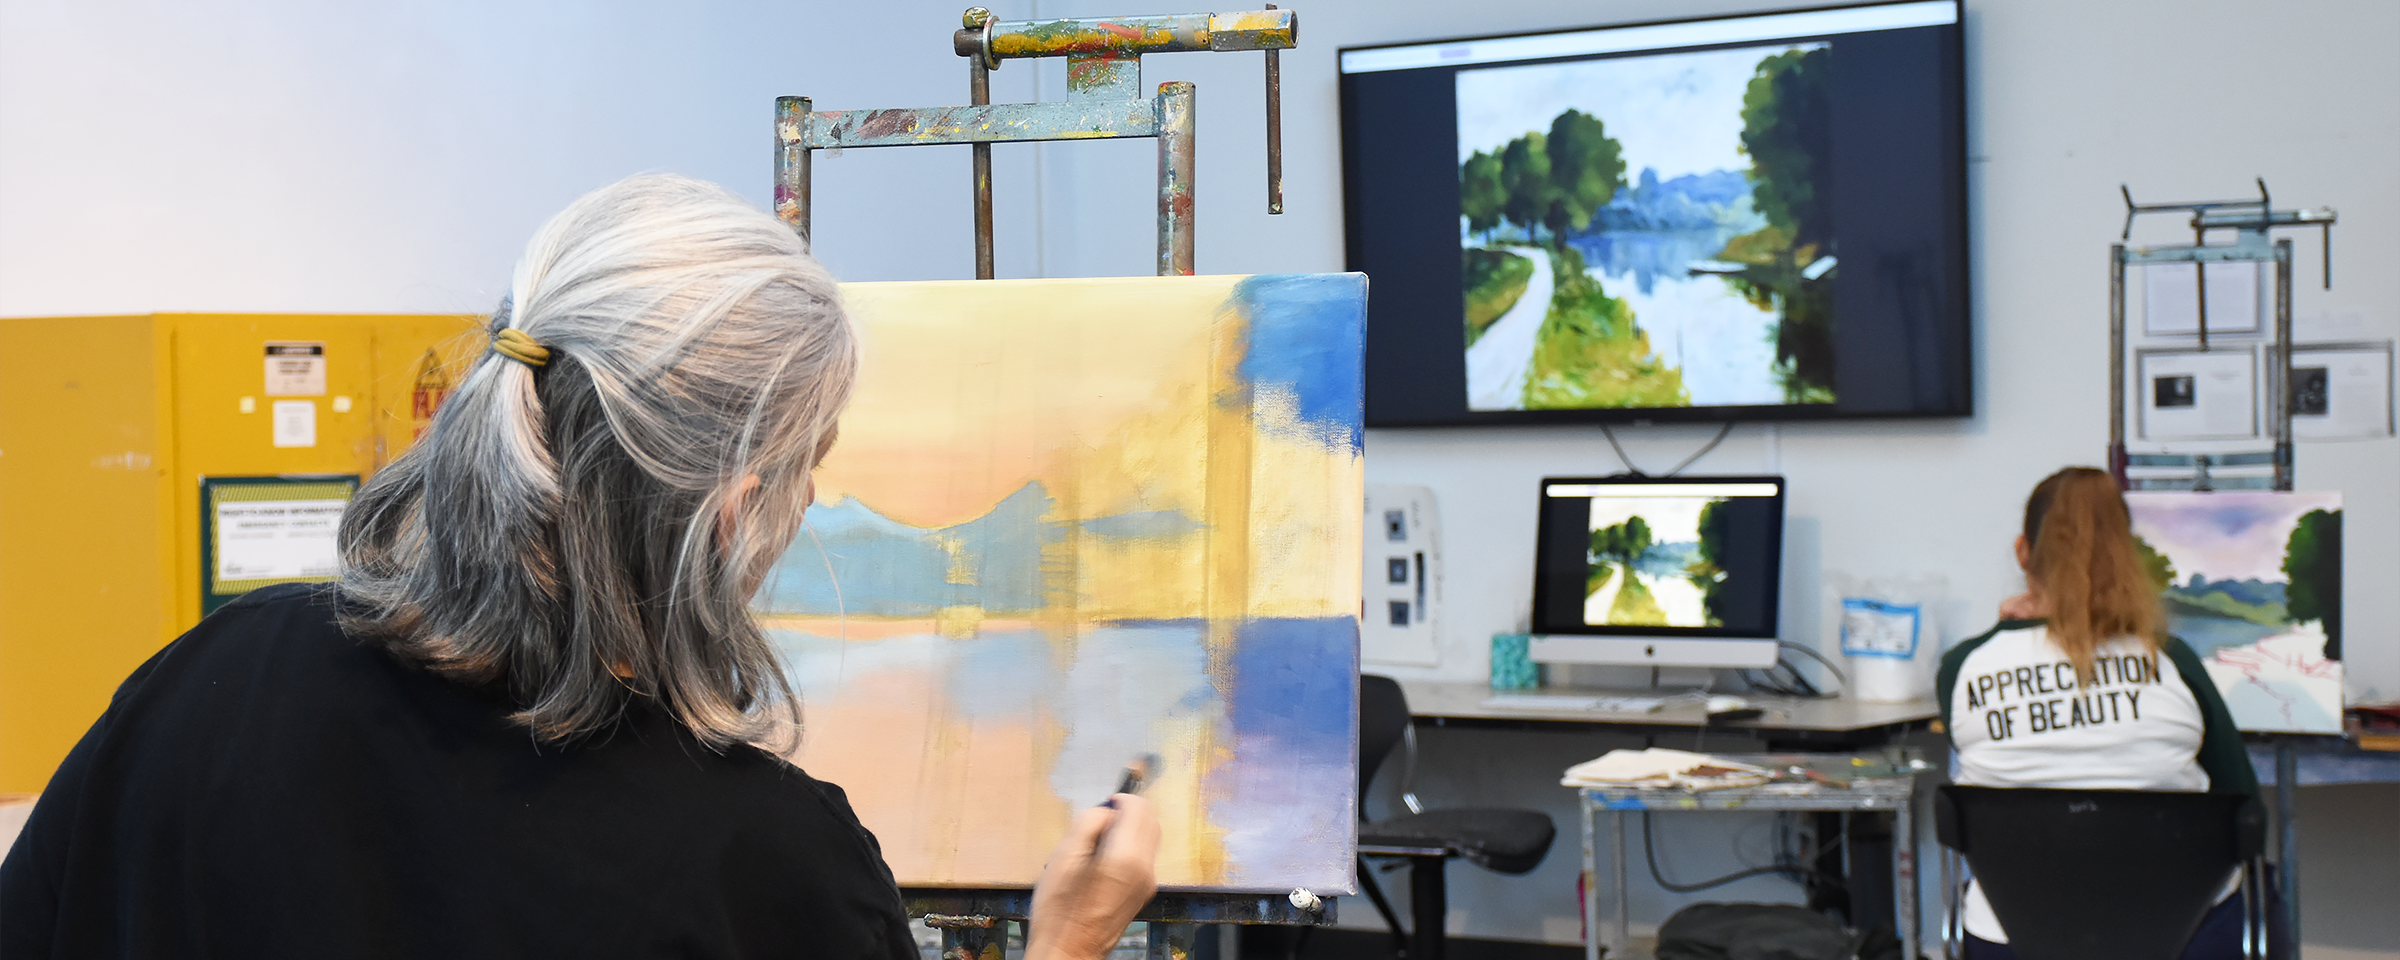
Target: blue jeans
2219, 936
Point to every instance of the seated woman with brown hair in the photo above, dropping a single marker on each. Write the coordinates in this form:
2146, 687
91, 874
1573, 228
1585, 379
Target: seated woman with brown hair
2139, 710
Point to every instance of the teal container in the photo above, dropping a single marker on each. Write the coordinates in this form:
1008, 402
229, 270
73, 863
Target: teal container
1512, 668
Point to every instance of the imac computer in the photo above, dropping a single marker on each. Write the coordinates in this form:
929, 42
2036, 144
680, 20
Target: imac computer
1658, 571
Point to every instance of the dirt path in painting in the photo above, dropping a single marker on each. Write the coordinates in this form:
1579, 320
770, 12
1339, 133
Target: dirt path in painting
1596, 606
1496, 363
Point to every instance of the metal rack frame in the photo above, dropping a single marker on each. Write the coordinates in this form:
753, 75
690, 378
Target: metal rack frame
2250, 220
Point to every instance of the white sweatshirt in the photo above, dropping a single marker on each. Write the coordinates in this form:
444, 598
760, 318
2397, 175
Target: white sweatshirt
2148, 720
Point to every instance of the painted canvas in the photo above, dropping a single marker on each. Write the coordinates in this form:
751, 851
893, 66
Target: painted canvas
1072, 522
1648, 231
2253, 583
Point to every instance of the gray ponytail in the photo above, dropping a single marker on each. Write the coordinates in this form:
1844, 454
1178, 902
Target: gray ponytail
559, 526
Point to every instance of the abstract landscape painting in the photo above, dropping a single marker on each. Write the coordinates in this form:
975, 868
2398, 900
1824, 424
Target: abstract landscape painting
1654, 562
1073, 522
2253, 583
1648, 231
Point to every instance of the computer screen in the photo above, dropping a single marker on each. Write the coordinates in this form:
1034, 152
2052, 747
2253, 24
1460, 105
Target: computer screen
1731, 218
1668, 557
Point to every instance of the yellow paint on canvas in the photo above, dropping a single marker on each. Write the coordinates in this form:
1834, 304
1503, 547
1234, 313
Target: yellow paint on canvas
1174, 496
1032, 387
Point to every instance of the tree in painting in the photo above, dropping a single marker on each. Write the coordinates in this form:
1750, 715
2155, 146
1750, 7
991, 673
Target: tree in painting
2159, 566
1481, 194
1708, 572
1624, 542
1787, 131
2313, 561
1586, 168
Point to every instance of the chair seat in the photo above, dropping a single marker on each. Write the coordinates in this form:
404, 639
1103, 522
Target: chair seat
1509, 841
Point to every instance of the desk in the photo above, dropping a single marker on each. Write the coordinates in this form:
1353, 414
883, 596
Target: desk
1787, 725
1889, 787
1788, 722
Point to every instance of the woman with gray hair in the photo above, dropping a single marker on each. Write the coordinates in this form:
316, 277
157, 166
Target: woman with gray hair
528, 720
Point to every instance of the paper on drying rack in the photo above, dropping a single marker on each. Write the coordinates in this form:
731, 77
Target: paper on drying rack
2171, 298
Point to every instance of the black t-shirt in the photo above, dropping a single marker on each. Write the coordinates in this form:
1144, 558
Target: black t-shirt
269, 787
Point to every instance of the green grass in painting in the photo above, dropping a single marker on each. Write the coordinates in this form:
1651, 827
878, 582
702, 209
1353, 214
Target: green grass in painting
2220, 605
1589, 353
1493, 280
1598, 579
1635, 607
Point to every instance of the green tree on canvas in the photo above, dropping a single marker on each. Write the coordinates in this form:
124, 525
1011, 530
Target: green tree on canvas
2312, 558
1482, 197
1637, 538
1525, 174
1787, 129
1586, 168
1787, 132
1708, 572
1555, 180
1622, 542
2159, 566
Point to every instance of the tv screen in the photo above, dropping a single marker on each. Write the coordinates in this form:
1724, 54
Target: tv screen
1757, 217
1659, 557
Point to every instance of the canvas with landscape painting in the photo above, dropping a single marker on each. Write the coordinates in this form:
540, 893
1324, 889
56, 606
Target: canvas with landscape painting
1073, 522
1648, 231
2252, 581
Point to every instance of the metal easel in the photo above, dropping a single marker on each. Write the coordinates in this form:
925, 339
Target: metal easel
2250, 221
1104, 100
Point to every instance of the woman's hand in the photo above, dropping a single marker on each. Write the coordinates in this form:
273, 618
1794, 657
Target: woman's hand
2023, 606
1103, 871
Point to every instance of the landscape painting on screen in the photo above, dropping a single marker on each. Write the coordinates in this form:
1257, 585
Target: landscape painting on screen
2252, 582
1655, 562
1648, 231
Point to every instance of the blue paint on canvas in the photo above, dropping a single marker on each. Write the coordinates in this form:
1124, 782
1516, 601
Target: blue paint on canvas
882, 567
1308, 334
1293, 674
1144, 525
1293, 706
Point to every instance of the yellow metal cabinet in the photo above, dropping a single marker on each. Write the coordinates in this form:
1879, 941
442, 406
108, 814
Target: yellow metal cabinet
107, 427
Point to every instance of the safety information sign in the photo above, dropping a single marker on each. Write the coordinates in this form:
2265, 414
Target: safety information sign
256, 531
295, 368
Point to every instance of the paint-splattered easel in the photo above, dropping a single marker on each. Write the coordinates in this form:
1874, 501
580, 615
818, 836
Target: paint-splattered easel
2250, 221
1104, 100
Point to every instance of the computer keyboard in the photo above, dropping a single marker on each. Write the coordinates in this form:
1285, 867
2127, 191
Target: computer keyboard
1551, 701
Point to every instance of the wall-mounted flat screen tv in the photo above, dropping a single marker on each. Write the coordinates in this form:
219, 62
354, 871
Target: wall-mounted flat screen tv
1737, 218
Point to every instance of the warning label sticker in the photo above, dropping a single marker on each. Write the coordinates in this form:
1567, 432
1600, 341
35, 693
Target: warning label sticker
295, 368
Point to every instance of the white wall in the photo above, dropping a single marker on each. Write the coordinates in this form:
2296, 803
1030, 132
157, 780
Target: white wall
281, 155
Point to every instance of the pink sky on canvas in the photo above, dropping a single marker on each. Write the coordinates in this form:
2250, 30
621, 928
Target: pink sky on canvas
2230, 535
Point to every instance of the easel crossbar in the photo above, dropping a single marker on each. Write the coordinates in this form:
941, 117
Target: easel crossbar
995, 123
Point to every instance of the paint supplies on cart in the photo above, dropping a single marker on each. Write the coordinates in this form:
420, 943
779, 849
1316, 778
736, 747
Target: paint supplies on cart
1660, 768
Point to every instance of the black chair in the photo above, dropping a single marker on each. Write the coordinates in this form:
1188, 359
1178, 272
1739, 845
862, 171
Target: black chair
2115, 874
1505, 840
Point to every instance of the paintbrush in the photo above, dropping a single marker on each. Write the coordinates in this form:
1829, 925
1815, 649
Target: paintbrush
1137, 776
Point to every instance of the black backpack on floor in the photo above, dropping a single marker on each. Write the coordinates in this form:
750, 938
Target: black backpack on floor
1763, 931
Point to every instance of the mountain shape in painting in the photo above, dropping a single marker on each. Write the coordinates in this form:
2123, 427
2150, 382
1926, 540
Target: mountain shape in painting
882, 567
1694, 201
